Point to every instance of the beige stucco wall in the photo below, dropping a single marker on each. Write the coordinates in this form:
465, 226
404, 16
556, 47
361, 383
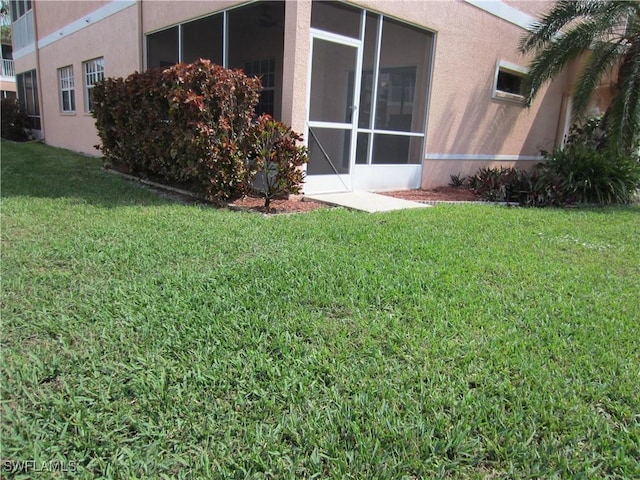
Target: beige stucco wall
296, 63
106, 38
25, 63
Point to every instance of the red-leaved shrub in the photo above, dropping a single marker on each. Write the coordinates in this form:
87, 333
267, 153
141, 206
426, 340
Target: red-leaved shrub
276, 158
188, 124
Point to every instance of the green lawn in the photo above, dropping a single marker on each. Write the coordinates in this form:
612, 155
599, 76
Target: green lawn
148, 339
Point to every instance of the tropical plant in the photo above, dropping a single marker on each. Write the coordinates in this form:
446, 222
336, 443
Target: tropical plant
5, 23
276, 158
607, 34
457, 180
593, 176
496, 184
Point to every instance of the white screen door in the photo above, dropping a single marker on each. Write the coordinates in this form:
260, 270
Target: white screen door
332, 113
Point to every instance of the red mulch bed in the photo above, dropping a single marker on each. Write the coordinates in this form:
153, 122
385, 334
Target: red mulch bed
293, 205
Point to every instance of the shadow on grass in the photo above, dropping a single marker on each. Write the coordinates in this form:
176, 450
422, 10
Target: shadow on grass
38, 170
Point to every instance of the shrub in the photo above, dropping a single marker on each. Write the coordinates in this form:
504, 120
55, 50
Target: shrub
594, 176
585, 171
189, 124
496, 184
276, 159
211, 112
15, 122
577, 174
132, 120
457, 180
540, 187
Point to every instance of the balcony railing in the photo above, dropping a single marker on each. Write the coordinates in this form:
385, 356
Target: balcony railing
6, 68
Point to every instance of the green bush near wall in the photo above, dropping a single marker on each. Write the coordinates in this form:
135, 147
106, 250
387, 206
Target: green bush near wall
586, 171
588, 175
15, 122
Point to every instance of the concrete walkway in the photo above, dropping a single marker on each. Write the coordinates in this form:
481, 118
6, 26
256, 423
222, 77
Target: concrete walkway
365, 201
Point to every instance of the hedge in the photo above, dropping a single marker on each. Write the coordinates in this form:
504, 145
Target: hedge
191, 124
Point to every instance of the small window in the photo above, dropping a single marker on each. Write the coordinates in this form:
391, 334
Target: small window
93, 73
67, 89
509, 82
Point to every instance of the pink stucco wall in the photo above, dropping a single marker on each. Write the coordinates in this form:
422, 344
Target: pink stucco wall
532, 7
54, 15
158, 14
106, 38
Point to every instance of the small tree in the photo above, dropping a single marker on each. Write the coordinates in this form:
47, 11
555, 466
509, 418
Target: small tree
275, 160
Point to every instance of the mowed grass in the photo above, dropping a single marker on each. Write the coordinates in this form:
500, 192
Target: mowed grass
143, 338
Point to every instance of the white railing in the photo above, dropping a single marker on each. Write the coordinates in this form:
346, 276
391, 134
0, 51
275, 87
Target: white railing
7, 69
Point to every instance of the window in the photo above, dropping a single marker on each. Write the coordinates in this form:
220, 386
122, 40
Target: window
509, 82
93, 73
227, 38
19, 8
67, 89
163, 48
393, 92
263, 20
27, 84
265, 70
336, 17
202, 39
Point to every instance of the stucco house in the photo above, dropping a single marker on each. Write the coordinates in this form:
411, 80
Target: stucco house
389, 94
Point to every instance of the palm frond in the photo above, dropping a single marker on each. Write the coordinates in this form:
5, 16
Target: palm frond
550, 61
624, 113
552, 24
566, 14
603, 57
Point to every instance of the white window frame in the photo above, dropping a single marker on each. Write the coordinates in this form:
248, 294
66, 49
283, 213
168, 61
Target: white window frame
93, 72
67, 85
513, 69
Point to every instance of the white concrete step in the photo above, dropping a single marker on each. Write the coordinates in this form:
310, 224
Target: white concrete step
365, 201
